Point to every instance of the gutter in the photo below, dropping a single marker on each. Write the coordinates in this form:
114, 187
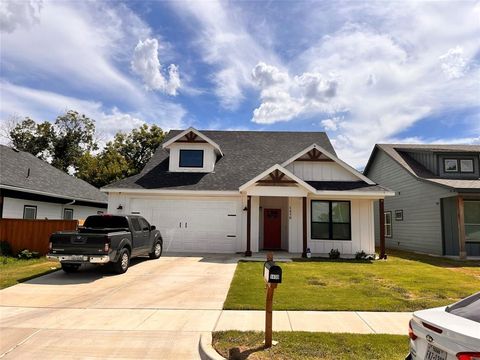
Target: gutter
16, 188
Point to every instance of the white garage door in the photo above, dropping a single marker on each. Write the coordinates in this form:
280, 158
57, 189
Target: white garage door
192, 225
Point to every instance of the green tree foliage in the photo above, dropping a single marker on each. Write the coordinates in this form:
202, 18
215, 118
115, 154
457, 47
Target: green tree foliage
74, 136
102, 169
32, 137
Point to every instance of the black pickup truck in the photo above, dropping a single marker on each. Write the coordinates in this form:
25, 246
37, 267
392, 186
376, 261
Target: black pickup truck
106, 239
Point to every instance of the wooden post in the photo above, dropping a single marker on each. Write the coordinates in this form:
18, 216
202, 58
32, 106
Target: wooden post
269, 310
249, 226
381, 207
304, 223
461, 227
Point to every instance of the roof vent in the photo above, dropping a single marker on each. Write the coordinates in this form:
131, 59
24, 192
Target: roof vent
28, 172
16, 150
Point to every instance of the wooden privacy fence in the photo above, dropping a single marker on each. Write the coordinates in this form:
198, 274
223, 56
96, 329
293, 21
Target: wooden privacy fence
33, 235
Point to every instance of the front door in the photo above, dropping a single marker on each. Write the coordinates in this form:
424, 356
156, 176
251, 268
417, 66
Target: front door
272, 228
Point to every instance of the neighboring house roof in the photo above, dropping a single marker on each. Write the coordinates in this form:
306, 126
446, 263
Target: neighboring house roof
399, 153
246, 154
22, 171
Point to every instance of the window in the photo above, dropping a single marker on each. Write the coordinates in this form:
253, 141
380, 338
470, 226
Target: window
30, 212
388, 223
67, 214
191, 158
144, 224
472, 220
135, 224
466, 166
330, 220
450, 165
398, 215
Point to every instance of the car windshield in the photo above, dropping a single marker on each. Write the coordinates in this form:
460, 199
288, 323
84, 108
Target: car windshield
106, 222
468, 308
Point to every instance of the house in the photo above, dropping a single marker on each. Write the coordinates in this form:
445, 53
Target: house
31, 188
245, 191
436, 208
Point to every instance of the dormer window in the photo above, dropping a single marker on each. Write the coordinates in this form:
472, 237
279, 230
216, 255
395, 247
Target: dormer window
191, 158
450, 165
458, 165
466, 166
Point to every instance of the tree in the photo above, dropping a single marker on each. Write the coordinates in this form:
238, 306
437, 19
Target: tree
125, 156
138, 146
32, 137
74, 136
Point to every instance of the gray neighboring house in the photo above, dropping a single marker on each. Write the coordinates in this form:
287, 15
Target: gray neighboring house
436, 207
31, 188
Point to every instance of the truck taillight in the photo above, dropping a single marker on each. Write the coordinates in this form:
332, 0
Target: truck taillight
468, 356
106, 248
50, 246
411, 334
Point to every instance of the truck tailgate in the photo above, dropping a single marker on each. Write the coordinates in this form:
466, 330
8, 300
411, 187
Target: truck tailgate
77, 243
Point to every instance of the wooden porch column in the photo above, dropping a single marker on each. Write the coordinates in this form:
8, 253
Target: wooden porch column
381, 207
304, 221
249, 226
461, 227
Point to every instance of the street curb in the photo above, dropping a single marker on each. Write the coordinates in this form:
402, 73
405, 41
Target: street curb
207, 352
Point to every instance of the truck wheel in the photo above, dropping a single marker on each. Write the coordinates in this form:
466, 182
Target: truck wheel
123, 262
157, 250
70, 268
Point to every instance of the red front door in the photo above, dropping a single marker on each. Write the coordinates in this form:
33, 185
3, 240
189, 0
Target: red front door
272, 228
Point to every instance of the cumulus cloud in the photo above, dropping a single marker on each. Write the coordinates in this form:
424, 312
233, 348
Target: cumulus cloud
14, 13
284, 97
453, 63
330, 124
146, 64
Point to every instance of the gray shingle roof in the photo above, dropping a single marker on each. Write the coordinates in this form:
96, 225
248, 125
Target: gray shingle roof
246, 155
26, 172
346, 186
398, 153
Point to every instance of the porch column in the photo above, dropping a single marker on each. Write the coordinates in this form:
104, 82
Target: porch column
381, 211
461, 227
249, 226
304, 220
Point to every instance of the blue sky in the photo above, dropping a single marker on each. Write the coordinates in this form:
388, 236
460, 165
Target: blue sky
365, 72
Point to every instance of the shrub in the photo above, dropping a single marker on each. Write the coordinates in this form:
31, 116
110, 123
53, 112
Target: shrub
360, 255
334, 254
5, 248
27, 254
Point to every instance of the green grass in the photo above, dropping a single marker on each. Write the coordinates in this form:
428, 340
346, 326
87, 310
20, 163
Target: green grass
306, 345
405, 282
13, 270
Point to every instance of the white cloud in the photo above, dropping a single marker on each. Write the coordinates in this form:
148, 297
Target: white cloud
330, 124
453, 63
146, 64
228, 45
43, 105
14, 13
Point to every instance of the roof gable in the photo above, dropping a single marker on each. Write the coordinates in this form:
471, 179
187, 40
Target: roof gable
317, 153
191, 135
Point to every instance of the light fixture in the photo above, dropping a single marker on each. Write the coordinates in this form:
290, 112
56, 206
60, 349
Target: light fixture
120, 207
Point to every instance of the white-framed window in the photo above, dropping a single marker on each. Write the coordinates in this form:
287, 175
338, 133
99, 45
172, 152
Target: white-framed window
388, 223
466, 165
67, 214
191, 158
30, 212
450, 165
472, 220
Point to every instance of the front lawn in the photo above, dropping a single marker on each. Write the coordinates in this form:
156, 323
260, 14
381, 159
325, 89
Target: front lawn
405, 282
238, 345
13, 270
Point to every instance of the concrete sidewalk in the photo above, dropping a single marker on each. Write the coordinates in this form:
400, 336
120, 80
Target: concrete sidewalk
184, 320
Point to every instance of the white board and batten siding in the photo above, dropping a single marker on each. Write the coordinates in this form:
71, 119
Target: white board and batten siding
320, 171
208, 224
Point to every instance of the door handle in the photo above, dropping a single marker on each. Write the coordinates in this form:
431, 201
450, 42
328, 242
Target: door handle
186, 225
180, 225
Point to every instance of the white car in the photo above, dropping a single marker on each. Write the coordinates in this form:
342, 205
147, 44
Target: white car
447, 333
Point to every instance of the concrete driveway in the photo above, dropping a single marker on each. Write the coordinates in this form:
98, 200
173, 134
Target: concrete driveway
156, 310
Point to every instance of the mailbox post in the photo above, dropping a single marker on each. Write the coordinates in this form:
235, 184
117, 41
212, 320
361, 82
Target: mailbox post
272, 274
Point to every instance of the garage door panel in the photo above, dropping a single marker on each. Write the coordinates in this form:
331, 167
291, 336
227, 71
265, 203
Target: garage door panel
192, 225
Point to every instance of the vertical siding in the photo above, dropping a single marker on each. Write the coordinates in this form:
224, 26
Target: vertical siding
427, 159
450, 225
320, 171
421, 229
